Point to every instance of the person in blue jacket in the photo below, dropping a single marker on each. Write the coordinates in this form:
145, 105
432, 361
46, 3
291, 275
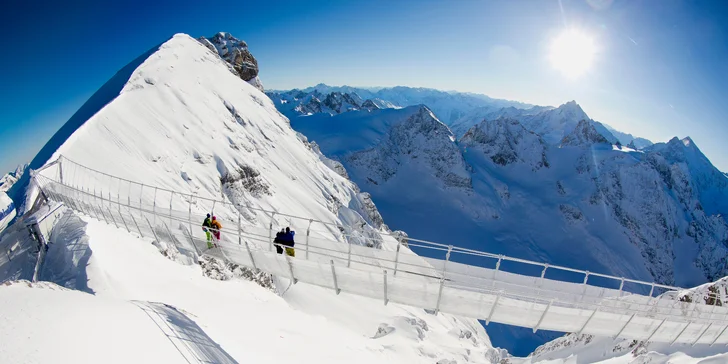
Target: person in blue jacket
288, 242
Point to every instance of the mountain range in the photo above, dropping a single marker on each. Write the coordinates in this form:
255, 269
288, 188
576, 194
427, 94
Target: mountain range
546, 184
535, 182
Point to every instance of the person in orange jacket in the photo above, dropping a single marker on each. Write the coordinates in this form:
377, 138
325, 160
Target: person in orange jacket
215, 226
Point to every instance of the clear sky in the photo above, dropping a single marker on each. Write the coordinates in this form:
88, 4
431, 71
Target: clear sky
660, 68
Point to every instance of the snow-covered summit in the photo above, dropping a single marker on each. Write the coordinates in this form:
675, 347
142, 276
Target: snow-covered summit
421, 142
236, 53
177, 118
584, 134
506, 141
554, 124
9, 179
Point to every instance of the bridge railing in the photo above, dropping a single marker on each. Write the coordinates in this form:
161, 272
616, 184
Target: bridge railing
128, 192
436, 284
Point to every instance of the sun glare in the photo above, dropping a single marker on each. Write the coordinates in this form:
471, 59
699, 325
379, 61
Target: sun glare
572, 53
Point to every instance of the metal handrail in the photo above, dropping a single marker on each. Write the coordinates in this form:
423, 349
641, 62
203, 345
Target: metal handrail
429, 244
621, 305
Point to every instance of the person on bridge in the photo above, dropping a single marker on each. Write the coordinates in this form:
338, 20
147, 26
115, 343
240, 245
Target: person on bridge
288, 242
278, 241
206, 226
215, 227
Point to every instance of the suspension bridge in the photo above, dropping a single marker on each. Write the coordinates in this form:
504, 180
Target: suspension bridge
384, 266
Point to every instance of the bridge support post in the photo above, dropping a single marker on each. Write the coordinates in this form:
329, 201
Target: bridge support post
542, 316
492, 309
701, 334
141, 193
497, 268
652, 289
92, 209
719, 335
189, 220
171, 197
122, 219
333, 273
625, 326
169, 232
60, 169
396, 257
621, 287
192, 240
153, 232
681, 332
656, 330
588, 320
101, 210
154, 206
543, 272
308, 232
135, 223
240, 229
386, 300
583, 293
111, 214
250, 254
442, 279
348, 256
270, 231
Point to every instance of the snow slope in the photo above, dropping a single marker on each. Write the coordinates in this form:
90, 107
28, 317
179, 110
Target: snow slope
46, 323
147, 308
183, 121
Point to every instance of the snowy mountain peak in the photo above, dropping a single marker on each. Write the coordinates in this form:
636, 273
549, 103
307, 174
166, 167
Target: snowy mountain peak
418, 145
369, 105
506, 141
572, 110
11, 178
235, 52
342, 102
688, 142
585, 134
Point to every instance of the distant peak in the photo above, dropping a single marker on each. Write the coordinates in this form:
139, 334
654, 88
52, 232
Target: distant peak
584, 134
686, 142
424, 110
571, 105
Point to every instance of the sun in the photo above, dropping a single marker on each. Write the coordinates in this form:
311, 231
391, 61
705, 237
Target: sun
572, 53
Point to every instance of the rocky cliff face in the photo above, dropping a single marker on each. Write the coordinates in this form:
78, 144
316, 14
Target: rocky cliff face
584, 134
506, 141
296, 102
420, 141
236, 53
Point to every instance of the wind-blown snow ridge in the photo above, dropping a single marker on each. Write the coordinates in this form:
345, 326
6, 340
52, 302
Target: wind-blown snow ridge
181, 120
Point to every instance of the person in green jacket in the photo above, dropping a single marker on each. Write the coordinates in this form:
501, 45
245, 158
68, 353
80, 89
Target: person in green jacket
206, 226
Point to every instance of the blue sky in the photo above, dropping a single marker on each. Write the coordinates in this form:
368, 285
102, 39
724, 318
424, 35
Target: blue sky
660, 70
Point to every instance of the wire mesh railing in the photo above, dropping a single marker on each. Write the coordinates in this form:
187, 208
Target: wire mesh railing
395, 273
